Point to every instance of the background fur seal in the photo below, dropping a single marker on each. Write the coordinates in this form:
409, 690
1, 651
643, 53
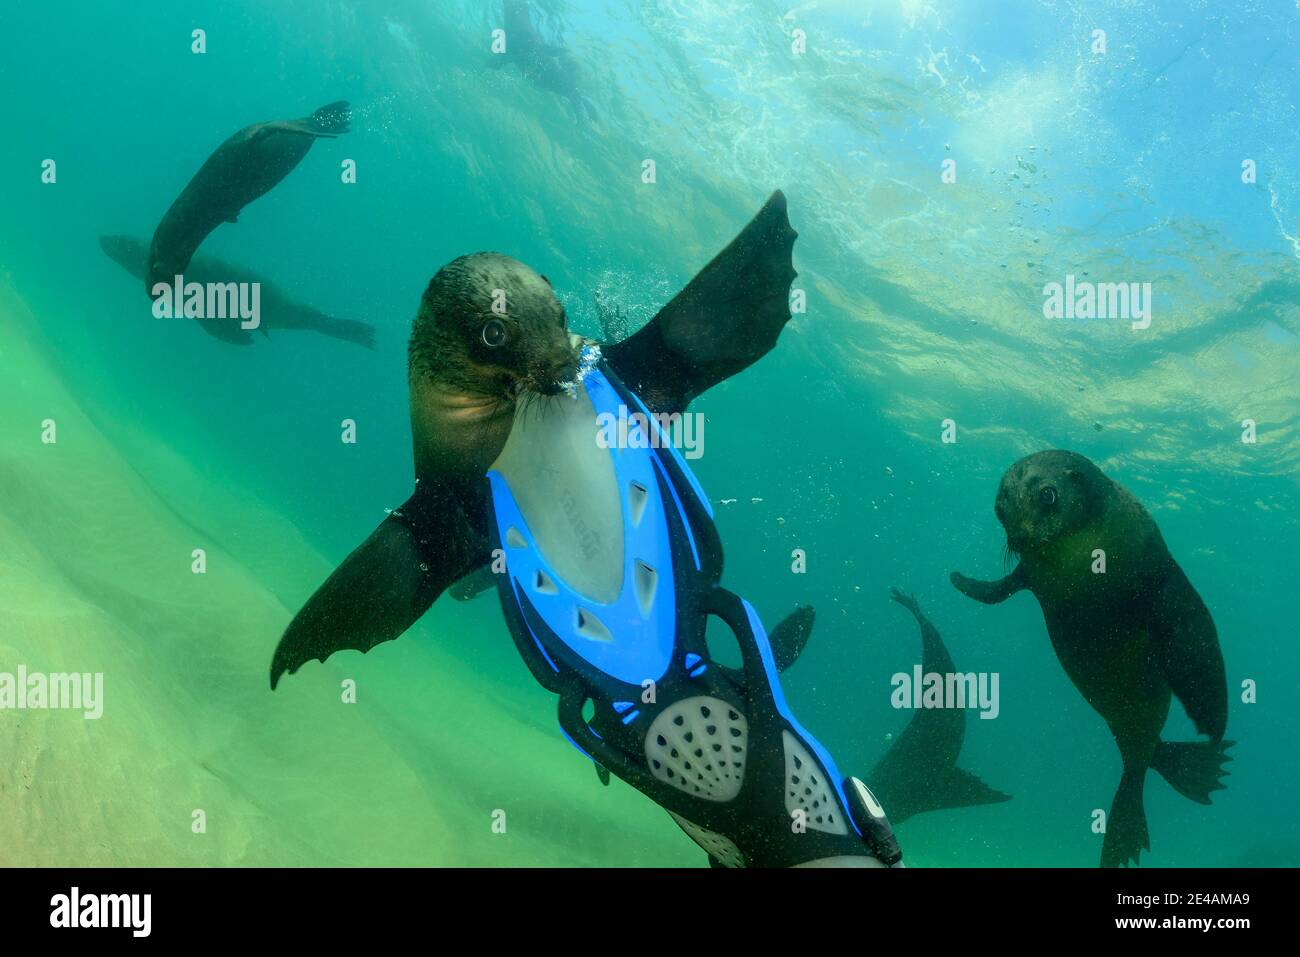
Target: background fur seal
278, 310
238, 172
919, 771
1127, 638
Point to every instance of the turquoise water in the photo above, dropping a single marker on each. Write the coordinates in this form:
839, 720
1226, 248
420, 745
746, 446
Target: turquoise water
924, 304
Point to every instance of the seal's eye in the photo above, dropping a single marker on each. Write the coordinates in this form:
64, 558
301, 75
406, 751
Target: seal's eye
1048, 495
494, 333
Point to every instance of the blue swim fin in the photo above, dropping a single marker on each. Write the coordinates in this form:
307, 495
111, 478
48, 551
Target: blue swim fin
612, 569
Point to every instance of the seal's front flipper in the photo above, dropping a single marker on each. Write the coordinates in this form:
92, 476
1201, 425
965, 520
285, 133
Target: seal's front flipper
727, 318
376, 594
474, 584
790, 636
297, 316
330, 120
1188, 648
990, 593
383, 587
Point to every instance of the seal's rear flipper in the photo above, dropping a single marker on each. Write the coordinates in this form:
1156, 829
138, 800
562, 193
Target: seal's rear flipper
950, 789
382, 588
990, 593
727, 318
1126, 825
474, 584
1188, 648
295, 316
1193, 768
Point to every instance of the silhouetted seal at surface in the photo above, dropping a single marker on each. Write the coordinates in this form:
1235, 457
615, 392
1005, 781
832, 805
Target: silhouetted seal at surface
1128, 638
547, 65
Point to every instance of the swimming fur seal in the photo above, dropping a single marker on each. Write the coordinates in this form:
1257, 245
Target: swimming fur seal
1127, 637
471, 367
243, 168
919, 771
278, 311
547, 66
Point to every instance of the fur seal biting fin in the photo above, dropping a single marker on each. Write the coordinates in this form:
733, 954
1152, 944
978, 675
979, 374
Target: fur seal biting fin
472, 368
240, 170
1127, 637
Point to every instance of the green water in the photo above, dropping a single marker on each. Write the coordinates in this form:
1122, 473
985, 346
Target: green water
924, 304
